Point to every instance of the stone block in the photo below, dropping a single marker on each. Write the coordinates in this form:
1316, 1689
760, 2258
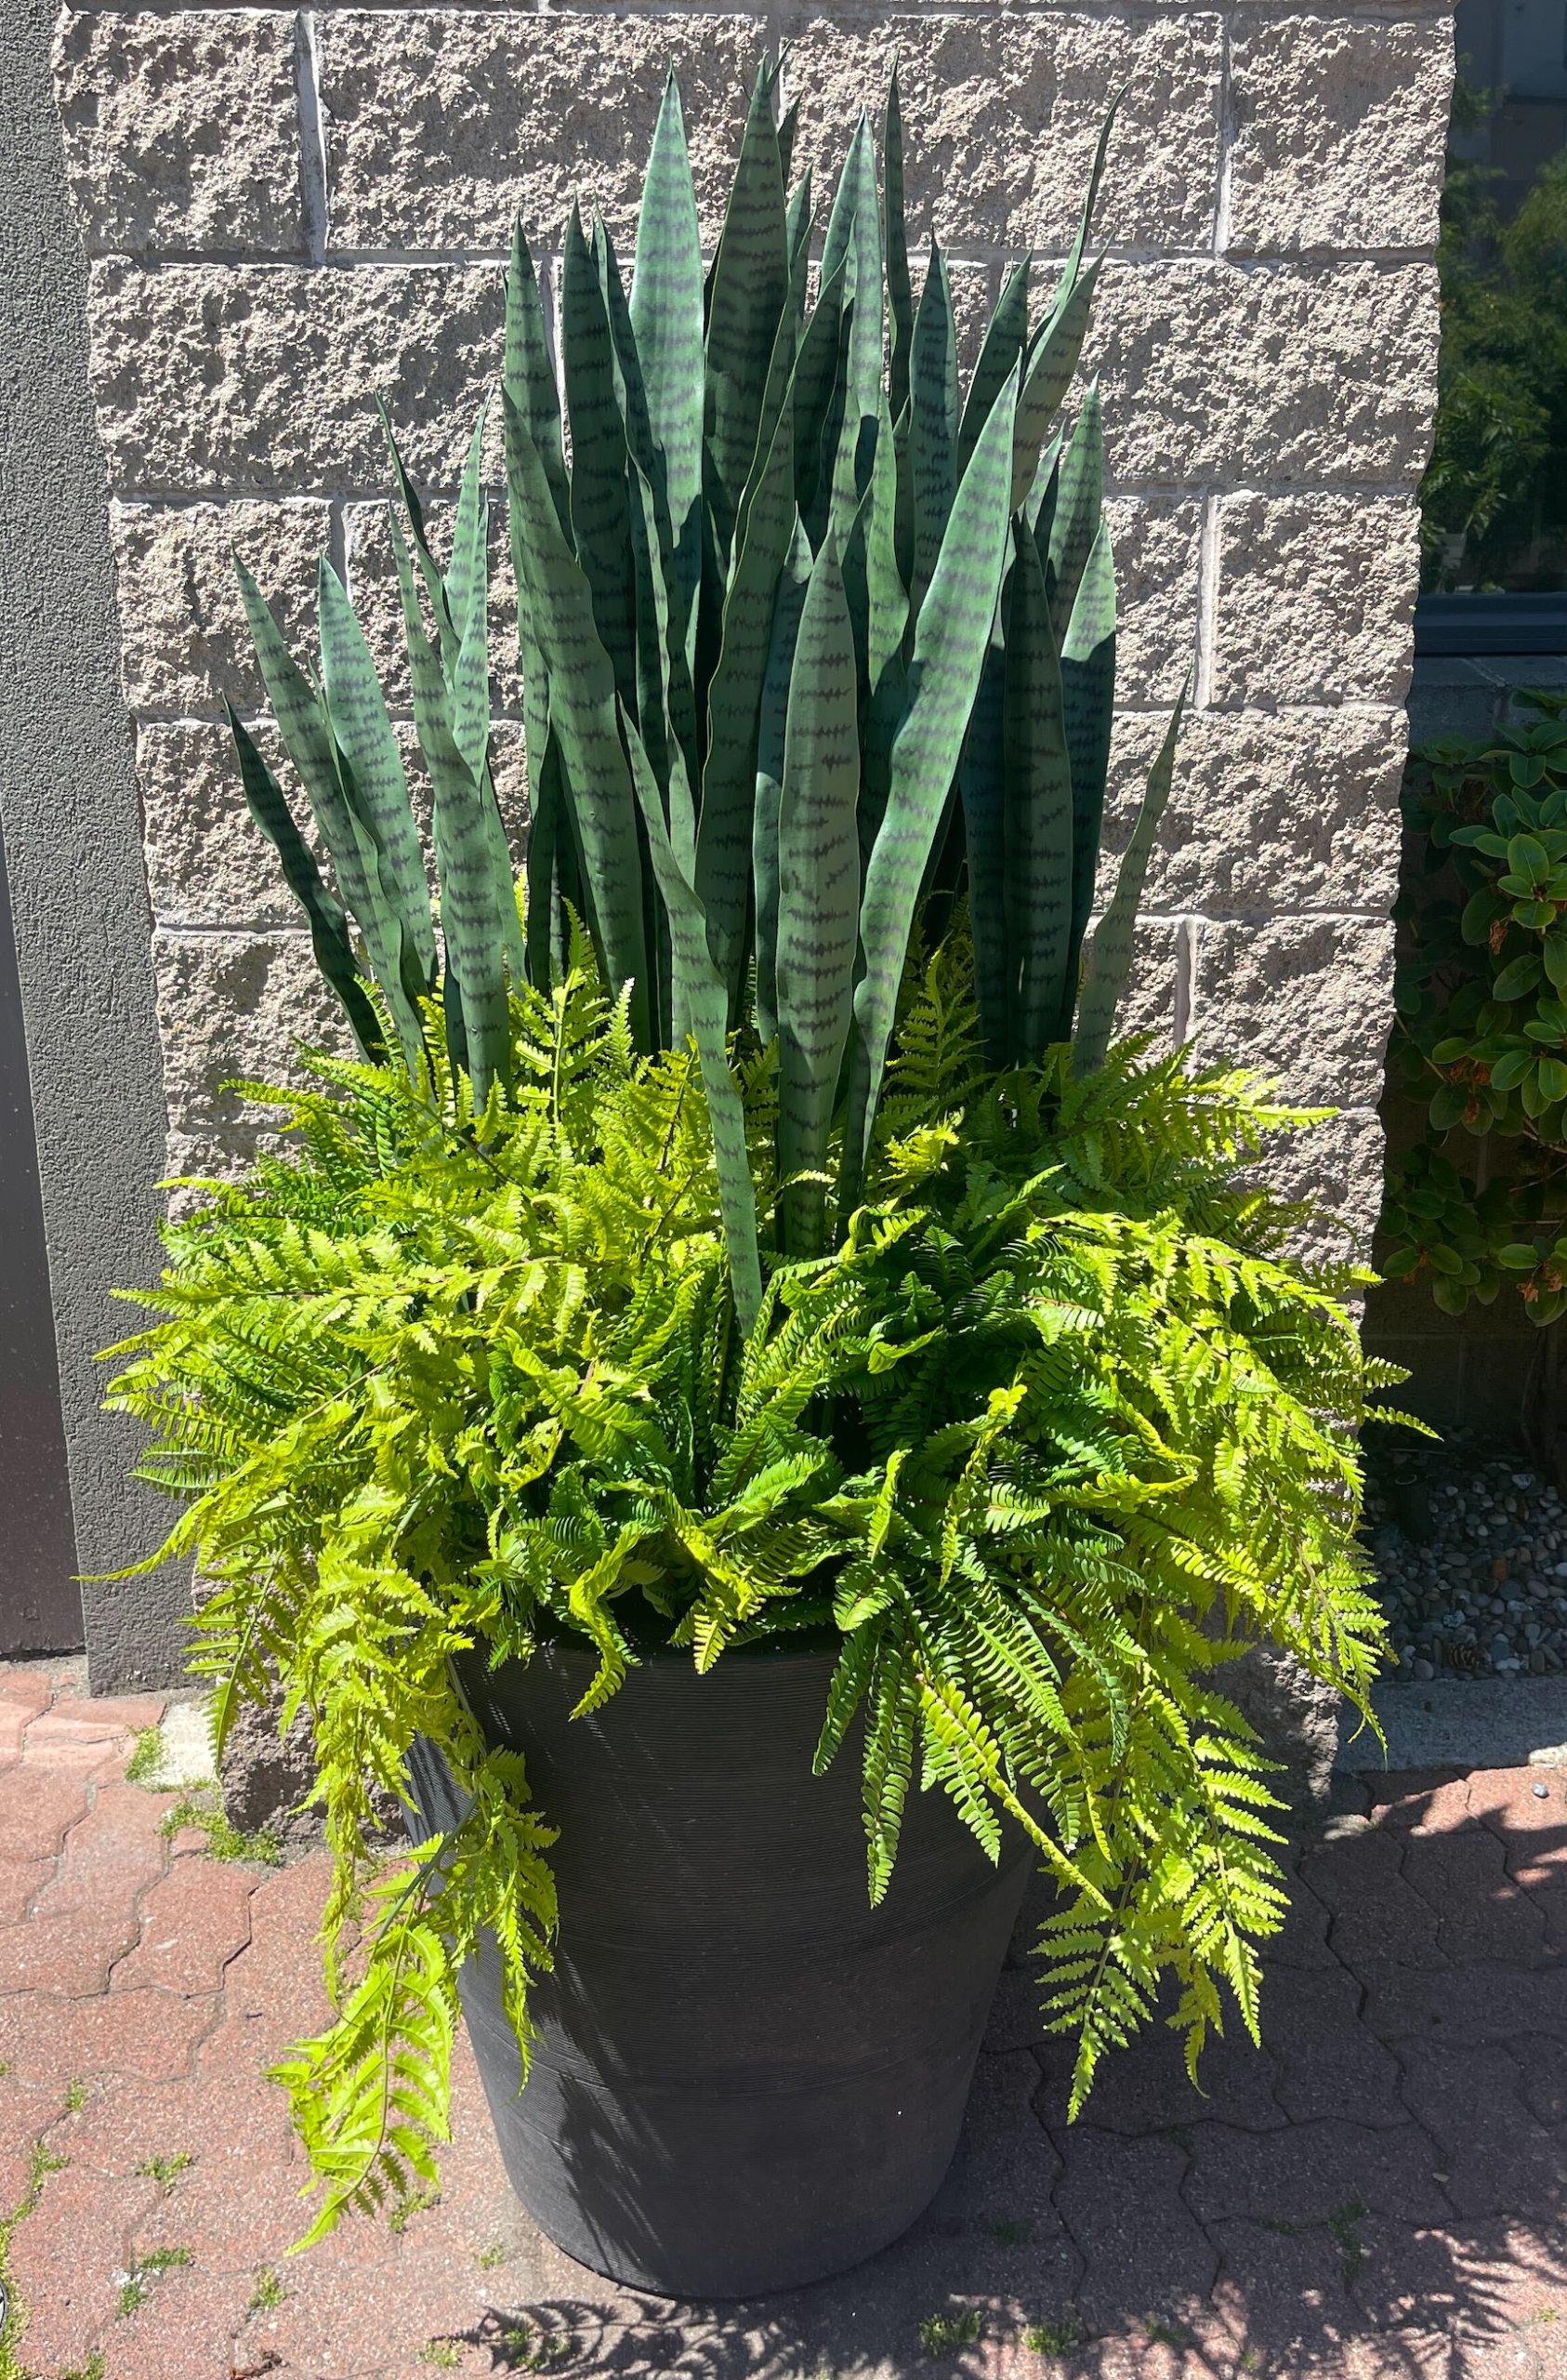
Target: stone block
1309, 1000
266, 379
1332, 144
1336, 1169
184, 643
181, 131
373, 584
1156, 541
236, 1004
1316, 599
1001, 114
208, 865
1153, 1001
1291, 809
1274, 373
444, 125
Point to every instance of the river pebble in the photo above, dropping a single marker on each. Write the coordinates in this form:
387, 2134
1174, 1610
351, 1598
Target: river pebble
1470, 1553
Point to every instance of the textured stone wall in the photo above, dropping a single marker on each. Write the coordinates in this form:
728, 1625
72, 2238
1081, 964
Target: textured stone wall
288, 211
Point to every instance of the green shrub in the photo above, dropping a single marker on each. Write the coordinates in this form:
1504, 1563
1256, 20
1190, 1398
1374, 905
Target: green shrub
1479, 1048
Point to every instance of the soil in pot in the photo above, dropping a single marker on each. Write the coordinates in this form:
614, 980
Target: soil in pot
744, 2077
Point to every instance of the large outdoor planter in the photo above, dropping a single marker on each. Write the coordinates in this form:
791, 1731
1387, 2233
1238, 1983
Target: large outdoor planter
745, 2078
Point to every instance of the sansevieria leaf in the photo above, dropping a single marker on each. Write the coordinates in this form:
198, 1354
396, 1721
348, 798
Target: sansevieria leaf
667, 319
818, 895
771, 733
1037, 805
1088, 702
747, 295
949, 650
329, 933
1111, 957
703, 998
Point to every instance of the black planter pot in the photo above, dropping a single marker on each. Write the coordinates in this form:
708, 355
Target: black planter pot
745, 2078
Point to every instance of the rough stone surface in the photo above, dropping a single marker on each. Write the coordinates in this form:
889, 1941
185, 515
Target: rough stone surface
183, 131
1156, 541
207, 864
1001, 114
1336, 1169
1316, 595
373, 584
1333, 146
186, 646
1307, 1000
1295, 1715
267, 377
235, 1004
1292, 810
1273, 373
445, 125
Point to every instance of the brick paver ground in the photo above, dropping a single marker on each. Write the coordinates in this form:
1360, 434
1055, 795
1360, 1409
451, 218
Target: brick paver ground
1378, 2195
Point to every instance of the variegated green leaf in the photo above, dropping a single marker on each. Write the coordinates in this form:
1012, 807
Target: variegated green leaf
666, 319
600, 498
1037, 809
771, 725
932, 423
818, 895
799, 222
1076, 520
895, 247
373, 778
1089, 700
1110, 958
747, 293
528, 373
1004, 343
950, 642
703, 998
980, 790
329, 931
729, 777
581, 716
1047, 376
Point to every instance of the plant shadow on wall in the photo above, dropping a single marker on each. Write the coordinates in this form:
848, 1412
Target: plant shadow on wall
751, 1237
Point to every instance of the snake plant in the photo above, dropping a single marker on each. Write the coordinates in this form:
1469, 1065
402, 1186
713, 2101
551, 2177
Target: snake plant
813, 642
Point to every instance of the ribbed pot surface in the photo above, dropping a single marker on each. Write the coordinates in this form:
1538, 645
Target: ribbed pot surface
745, 2078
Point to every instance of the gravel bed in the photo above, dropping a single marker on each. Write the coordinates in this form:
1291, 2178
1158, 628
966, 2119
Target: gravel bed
1472, 1562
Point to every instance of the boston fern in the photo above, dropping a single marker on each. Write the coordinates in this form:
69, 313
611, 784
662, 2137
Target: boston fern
749, 1229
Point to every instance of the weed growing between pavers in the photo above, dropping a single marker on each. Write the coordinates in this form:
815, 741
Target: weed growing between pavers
1056, 2338
944, 2334
75, 2096
94, 2368
1161, 2332
416, 2203
224, 1840
166, 2171
1339, 2224
146, 1762
267, 2293
443, 2353
41, 2162
529, 2350
488, 2258
146, 2268
1007, 2230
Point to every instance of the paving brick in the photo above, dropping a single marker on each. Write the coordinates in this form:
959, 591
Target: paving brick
1283, 2291
1426, 1801
37, 1808
1375, 1914
193, 1922
26, 1684
1144, 2088
19, 1880
1328, 2065
1480, 1913
1532, 1828
1542, 2066
64, 2259
112, 1855
1302, 2175
69, 1956
1142, 2248
1498, 2159
188, 2329
147, 2034
1464, 2004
